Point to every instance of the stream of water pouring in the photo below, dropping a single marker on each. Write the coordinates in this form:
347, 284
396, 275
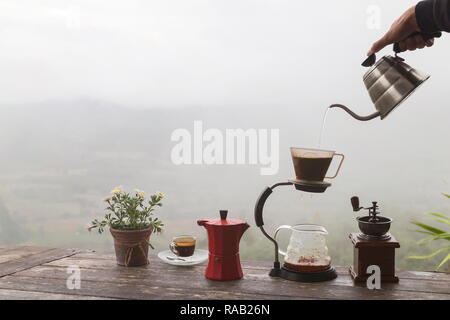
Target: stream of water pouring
324, 119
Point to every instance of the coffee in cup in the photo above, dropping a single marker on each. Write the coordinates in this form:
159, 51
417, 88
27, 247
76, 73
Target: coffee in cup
183, 246
313, 164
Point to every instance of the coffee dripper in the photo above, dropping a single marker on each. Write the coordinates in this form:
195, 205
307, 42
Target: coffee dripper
311, 166
306, 258
389, 82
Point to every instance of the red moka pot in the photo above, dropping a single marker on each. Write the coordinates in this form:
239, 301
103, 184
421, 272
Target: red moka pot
223, 242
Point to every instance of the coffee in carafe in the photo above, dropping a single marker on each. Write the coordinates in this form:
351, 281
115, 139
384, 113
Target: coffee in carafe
313, 164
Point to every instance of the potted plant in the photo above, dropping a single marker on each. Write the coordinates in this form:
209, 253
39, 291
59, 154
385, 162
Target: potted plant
130, 221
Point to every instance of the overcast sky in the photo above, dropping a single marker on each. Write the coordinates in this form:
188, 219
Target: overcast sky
177, 53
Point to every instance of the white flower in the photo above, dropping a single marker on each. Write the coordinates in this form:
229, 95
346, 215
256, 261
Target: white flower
117, 190
139, 193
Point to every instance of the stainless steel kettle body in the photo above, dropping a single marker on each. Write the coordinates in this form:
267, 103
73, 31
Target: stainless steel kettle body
389, 82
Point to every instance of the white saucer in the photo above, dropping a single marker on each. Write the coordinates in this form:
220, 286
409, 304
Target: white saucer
198, 257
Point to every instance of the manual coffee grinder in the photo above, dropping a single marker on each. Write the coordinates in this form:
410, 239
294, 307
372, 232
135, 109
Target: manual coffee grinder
306, 258
374, 245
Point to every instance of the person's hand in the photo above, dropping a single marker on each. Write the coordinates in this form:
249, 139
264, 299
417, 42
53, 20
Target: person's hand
400, 32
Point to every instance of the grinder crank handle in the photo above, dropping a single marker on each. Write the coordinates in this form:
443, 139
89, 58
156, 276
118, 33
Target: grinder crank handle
355, 203
426, 36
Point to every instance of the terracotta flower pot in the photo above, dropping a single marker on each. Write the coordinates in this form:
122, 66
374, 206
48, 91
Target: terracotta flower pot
131, 246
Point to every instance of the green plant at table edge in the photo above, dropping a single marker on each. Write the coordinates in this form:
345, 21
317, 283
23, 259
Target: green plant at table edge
433, 235
130, 212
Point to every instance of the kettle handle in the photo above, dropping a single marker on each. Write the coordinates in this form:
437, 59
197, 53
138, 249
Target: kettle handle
425, 36
285, 226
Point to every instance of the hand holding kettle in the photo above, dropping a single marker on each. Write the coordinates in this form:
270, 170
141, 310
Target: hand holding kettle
416, 28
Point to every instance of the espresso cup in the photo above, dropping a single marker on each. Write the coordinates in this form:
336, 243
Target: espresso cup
183, 246
313, 164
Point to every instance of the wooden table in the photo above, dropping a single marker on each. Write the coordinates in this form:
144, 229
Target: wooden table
29, 272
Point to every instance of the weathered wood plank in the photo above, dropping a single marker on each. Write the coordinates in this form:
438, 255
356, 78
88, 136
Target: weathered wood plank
424, 275
406, 274
120, 290
256, 283
6, 294
263, 265
29, 261
92, 254
44, 273
420, 285
9, 253
344, 279
22, 247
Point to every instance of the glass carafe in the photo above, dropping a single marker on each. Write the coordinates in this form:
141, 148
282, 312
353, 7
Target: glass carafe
307, 250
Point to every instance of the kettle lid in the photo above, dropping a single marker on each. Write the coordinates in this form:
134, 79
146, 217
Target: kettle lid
222, 221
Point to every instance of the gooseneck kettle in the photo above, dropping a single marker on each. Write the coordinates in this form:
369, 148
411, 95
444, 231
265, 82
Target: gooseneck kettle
389, 81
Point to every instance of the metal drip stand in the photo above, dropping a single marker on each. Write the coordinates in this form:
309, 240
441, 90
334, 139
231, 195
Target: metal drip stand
277, 270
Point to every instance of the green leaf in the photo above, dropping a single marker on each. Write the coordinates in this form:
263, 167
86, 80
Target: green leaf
425, 241
442, 220
431, 254
442, 236
425, 232
443, 261
446, 195
438, 215
429, 228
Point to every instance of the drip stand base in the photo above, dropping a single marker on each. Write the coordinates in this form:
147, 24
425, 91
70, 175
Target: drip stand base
318, 276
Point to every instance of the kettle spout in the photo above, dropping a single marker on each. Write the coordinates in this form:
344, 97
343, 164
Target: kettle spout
354, 115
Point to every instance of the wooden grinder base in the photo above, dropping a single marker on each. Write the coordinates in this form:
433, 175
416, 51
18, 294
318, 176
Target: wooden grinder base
369, 252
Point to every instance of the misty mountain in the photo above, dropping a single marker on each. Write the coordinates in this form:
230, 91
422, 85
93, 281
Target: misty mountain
60, 159
10, 231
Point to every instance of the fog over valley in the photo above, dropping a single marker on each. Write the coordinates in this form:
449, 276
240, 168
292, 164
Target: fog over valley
96, 96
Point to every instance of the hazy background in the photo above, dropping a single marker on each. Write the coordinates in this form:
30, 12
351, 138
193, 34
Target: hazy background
92, 90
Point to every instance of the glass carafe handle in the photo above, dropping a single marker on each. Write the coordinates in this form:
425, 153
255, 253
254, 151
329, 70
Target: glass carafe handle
283, 253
